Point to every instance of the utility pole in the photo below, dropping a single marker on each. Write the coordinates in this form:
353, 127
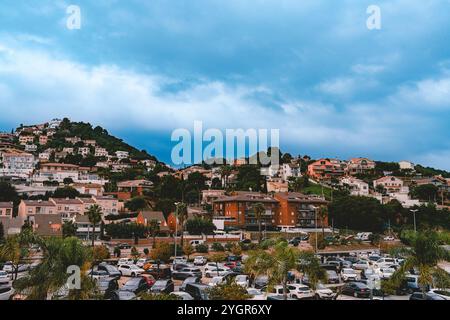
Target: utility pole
414, 214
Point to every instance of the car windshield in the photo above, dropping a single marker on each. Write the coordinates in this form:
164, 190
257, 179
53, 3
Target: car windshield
160, 283
3, 273
241, 278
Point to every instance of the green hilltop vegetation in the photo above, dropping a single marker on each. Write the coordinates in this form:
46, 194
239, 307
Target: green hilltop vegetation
85, 131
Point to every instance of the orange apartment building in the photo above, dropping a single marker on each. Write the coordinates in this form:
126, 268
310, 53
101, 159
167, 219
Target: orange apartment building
238, 210
283, 209
299, 210
325, 169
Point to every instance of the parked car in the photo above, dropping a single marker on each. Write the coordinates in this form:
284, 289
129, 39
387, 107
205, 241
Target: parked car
149, 279
97, 274
190, 280
209, 273
426, 296
136, 285
361, 265
277, 290
6, 293
186, 273
300, 291
389, 238
111, 270
163, 286
163, 272
200, 261
142, 262
385, 273
242, 280
324, 293
385, 263
130, 270
256, 294
363, 236
333, 277
183, 295
441, 292
231, 264
123, 295
216, 280
179, 266
125, 261
107, 287
356, 289
261, 281
4, 278
179, 260
122, 246
198, 291
295, 242
348, 274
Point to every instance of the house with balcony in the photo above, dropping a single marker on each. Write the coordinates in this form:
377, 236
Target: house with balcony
326, 169
68, 208
390, 184
238, 210
17, 164
84, 228
360, 166
299, 210
356, 187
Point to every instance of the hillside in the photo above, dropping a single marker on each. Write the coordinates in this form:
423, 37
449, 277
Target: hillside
103, 139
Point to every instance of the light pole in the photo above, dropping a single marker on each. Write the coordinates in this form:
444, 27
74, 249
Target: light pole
315, 222
176, 232
414, 215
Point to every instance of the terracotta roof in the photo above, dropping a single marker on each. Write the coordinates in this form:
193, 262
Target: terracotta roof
66, 201
7, 205
299, 197
134, 183
247, 197
38, 203
60, 165
87, 200
48, 224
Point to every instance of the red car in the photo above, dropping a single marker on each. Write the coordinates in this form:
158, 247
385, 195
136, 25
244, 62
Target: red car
231, 264
149, 279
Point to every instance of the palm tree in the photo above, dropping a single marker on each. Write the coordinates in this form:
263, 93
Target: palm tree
95, 216
310, 265
275, 264
181, 213
11, 251
323, 214
51, 274
153, 228
424, 255
259, 210
225, 172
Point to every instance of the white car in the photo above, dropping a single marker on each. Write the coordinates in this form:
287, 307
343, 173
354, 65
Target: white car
142, 262
361, 265
242, 280
256, 294
125, 261
209, 273
130, 270
389, 238
182, 295
179, 260
324, 293
4, 278
200, 261
444, 293
348, 274
215, 281
300, 291
385, 273
8, 267
213, 265
385, 263
6, 293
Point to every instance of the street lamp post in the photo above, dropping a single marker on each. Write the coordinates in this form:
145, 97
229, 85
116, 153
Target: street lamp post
414, 215
176, 233
315, 222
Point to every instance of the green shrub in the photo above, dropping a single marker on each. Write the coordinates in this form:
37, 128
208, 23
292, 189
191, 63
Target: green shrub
217, 247
201, 248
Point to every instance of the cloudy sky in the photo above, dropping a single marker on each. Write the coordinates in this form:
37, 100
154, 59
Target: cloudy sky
310, 68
